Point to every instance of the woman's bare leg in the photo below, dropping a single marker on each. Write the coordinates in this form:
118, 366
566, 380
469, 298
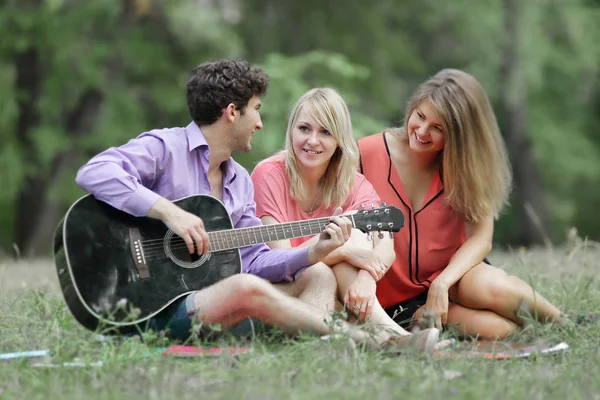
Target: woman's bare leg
486, 287
479, 323
346, 274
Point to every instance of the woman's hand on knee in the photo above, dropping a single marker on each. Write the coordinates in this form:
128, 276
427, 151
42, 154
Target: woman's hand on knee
360, 296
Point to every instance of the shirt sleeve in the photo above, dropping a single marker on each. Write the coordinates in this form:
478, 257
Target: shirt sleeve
269, 191
275, 265
363, 194
121, 176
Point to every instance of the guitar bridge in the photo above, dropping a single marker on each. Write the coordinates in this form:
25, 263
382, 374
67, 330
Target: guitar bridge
137, 252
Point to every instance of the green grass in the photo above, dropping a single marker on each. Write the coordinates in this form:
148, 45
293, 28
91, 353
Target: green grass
33, 316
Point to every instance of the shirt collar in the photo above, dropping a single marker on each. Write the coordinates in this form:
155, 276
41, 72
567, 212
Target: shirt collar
196, 139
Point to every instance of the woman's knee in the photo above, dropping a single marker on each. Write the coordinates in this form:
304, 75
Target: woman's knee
486, 288
496, 290
359, 239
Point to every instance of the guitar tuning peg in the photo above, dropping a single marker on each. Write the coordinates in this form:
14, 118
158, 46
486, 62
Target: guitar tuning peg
391, 235
369, 236
380, 235
372, 206
361, 208
383, 204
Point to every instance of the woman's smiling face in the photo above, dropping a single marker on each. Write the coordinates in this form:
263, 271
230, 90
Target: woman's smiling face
313, 144
425, 129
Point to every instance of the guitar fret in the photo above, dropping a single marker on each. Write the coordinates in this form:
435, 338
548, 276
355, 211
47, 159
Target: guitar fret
262, 235
222, 240
297, 225
248, 232
248, 238
235, 240
218, 240
224, 237
211, 241
318, 226
221, 244
215, 243
242, 237
230, 240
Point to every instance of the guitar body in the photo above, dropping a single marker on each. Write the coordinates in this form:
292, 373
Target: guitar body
106, 278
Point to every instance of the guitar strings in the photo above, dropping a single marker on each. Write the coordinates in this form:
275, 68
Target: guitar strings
155, 247
221, 243
244, 233
241, 234
241, 231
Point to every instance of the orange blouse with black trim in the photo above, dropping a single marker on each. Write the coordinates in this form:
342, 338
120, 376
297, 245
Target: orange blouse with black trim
430, 237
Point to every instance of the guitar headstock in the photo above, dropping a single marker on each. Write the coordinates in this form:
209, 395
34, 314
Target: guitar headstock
385, 218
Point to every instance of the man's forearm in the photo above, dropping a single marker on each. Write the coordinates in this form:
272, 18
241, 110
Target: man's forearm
161, 209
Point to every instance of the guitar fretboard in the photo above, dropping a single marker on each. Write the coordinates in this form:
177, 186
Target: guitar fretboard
242, 237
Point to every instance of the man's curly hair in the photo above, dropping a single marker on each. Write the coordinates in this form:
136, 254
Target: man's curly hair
214, 85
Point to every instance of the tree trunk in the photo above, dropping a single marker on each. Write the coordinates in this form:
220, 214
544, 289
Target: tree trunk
533, 226
28, 81
37, 213
79, 121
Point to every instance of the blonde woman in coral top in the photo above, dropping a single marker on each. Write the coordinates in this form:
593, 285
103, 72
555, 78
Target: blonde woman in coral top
447, 169
316, 174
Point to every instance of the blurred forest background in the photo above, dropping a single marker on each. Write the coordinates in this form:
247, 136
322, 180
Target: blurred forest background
79, 76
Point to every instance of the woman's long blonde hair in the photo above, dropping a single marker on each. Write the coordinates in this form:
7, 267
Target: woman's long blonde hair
329, 110
476, 172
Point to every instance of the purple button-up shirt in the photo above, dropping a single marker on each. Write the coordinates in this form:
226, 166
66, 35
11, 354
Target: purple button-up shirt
173, 163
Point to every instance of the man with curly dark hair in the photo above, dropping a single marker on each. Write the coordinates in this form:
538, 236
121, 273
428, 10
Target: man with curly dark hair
213, 86
143, 176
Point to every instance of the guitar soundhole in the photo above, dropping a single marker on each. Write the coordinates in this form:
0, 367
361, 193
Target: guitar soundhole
183, 255
178, 252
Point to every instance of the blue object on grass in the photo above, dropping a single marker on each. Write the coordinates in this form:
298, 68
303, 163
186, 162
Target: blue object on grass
24, 354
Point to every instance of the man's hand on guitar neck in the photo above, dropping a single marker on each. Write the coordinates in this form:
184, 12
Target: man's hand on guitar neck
333, 236
184, 224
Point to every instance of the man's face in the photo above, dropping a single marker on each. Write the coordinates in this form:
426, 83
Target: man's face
246, 124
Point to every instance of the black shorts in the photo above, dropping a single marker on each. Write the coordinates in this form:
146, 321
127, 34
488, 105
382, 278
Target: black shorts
402, 313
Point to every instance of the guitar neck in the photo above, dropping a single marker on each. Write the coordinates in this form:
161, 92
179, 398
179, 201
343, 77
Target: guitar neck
242, 237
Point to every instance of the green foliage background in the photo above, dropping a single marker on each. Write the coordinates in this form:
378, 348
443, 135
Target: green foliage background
135, 55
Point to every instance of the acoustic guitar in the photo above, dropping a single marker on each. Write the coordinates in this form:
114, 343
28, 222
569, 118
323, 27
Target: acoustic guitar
118, 270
